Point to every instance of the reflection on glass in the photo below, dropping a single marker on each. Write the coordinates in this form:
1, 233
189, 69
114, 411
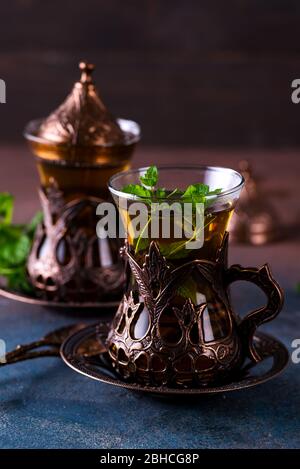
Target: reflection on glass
215, 322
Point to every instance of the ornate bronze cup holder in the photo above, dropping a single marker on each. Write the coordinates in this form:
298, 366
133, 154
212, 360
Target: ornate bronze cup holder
85, 352
65, 259
62, 267
161, 336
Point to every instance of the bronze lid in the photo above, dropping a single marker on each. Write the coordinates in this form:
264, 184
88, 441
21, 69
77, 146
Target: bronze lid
82, 119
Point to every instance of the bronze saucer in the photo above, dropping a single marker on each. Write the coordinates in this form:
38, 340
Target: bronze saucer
84, 352
33, 300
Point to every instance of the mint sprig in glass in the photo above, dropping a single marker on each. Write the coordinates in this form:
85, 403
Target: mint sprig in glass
147, 187
212, 190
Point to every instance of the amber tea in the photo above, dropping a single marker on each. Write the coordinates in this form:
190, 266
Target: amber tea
216, 214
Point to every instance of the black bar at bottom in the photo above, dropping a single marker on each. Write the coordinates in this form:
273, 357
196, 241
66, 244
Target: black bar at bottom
137, 458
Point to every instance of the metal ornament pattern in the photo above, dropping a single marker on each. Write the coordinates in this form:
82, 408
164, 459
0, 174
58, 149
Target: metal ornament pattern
62, 265
192, 358
82, 119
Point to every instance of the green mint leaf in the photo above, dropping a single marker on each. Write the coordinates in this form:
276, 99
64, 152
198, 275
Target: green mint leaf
215, 192
18, 281
199, 189
198, 193
14, 246
6, 207
150, 178
160, 193
211, 199
136, 189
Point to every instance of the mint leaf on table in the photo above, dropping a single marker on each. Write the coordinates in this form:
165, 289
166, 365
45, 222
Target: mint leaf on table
15, 245
150, 178
18, 281
6, 207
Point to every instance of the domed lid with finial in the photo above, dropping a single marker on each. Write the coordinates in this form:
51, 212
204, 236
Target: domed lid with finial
83, 119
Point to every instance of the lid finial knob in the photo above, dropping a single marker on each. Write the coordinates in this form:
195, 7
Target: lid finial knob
86, 72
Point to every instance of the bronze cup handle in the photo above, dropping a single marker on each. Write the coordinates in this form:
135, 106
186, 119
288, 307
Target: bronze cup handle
263, 279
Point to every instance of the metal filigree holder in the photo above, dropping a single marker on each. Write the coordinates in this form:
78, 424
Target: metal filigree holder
65, 263
160, 338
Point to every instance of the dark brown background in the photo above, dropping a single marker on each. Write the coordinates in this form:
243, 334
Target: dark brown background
191, 72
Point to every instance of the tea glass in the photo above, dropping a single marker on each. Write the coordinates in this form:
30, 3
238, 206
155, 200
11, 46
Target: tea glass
175, 325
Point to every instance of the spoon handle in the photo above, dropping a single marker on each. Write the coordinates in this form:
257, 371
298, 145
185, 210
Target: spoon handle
21, 349
52, 352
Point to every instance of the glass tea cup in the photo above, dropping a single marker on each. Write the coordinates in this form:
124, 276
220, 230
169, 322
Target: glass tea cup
175, 324
225, 185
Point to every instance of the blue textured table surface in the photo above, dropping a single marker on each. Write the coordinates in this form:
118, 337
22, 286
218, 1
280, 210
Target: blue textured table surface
44, 404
